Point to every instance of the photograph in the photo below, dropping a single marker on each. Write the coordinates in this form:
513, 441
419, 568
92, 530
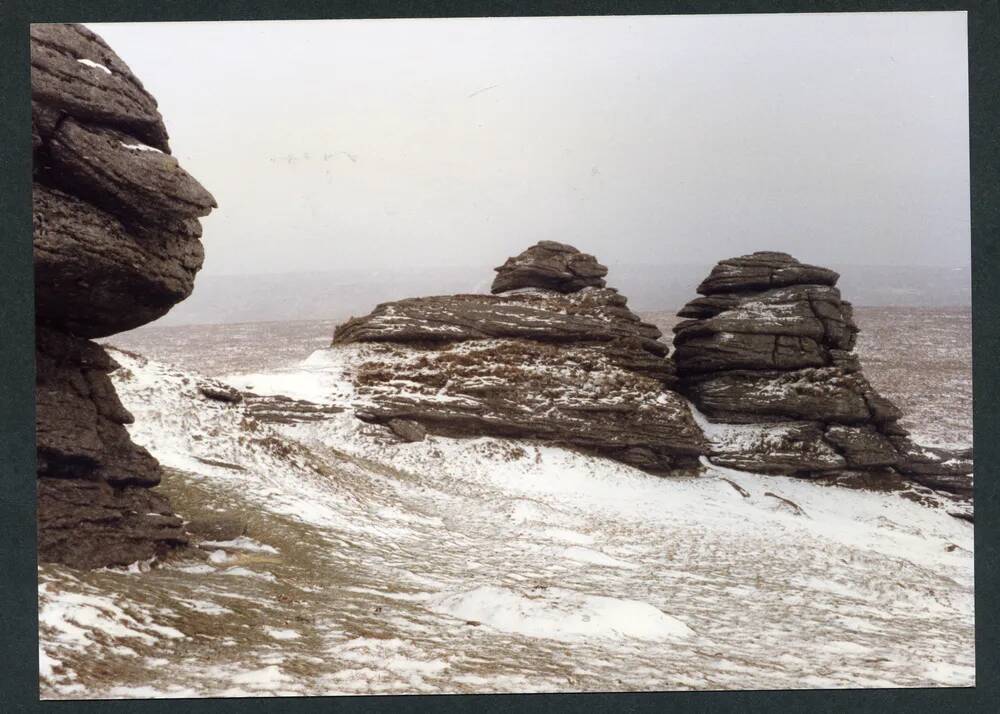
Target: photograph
623, 353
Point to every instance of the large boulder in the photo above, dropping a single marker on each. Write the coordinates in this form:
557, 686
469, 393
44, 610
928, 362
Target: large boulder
768, 351
116, 245
591, 316
763, 270
570, 367
97, 276
551, 266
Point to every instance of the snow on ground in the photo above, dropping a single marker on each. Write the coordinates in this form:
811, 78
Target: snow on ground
559, 614
486, 565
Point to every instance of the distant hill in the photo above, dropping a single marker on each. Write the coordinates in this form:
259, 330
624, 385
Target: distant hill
338, 294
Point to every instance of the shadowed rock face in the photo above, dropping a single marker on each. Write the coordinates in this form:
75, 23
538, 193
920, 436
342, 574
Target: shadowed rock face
551, 266
769, 346
116, 245
572, 367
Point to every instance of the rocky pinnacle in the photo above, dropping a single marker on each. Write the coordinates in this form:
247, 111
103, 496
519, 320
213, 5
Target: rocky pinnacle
116, 245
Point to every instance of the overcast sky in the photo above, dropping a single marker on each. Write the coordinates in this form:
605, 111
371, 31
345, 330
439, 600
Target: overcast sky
842, 139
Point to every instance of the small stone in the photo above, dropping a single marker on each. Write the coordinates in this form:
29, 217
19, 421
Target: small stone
407, 430
220, 393
217, 528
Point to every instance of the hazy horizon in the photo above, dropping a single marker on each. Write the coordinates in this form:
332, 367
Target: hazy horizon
339, 294
660, 140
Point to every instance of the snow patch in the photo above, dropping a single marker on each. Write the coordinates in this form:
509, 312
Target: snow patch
586, 555
560, 614
241, 543
94, 65
140, 147
282, 634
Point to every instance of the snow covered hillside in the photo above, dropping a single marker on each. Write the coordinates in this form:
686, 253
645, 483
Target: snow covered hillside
488, 565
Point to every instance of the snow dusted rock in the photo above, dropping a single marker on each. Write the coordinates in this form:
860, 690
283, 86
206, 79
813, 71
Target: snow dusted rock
115, 217
75, 73
110, 169
596, 316
763, 270
574, 368
220, 392
749, 396
862, 446
936, 468
409, 431
785, 448
551, 266
279, 409
116, 245
770, 346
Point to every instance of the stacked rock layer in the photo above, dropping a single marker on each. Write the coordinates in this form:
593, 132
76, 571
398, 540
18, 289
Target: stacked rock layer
553, 355
116, 245
767, 354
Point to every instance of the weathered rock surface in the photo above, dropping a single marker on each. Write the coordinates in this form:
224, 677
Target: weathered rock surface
91, 524
75, 73
407, 430
768, 351
572, 367
80, 430
279, 409
116, 245
788, 448
592, 316
936, 468
96, 276
220, 392
761, 271
551, 266
131, 180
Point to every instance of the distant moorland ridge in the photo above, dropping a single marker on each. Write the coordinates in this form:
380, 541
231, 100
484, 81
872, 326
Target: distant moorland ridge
338, 294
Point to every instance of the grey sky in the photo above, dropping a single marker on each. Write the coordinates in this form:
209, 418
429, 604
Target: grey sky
842, 139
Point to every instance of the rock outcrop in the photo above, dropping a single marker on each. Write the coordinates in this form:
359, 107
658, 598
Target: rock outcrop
116, 245
767, 356
551, 266
554, 356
